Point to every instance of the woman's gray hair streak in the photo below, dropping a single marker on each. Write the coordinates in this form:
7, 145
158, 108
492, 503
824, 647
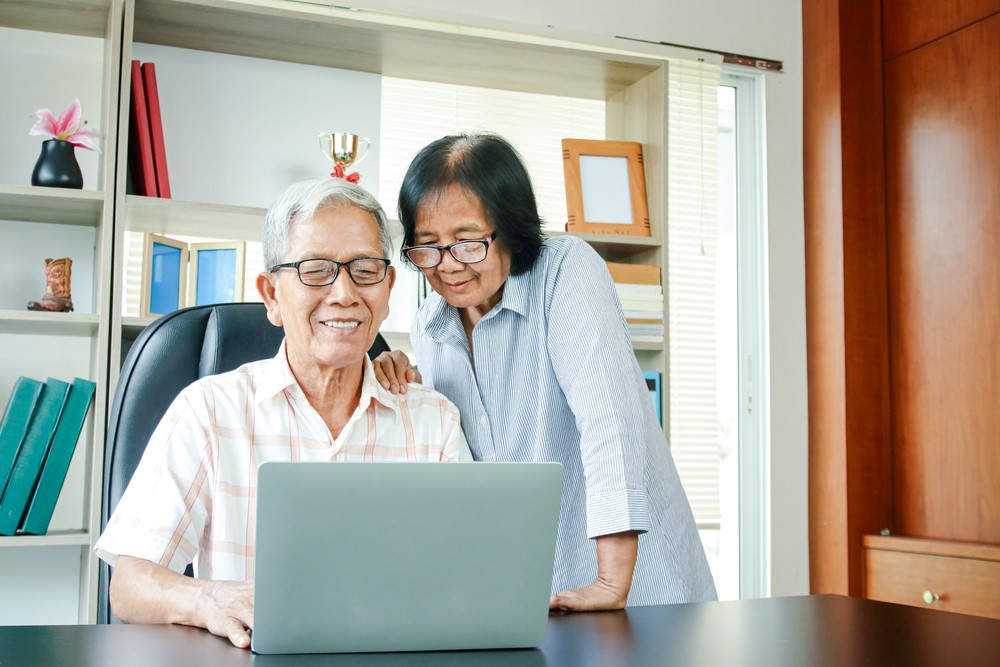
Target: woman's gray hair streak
301, 201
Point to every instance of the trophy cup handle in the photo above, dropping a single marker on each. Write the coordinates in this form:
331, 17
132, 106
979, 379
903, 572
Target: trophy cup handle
327, 152
366, 142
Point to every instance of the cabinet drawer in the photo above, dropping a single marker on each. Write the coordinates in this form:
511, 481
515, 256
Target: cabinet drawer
964, 585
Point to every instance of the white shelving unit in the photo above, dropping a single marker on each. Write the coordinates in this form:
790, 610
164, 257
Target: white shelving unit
631, 81
75, 223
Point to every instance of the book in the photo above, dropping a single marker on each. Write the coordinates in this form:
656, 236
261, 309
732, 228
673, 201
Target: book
641, 274
653, 385
644, 314
636, 290
50, 482
29, 460
645, 306
14, 426
140, 143
156, 130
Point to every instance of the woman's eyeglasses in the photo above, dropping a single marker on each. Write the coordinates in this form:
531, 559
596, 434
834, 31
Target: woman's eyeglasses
466, 252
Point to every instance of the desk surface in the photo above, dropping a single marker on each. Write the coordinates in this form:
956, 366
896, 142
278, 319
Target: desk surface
822, 630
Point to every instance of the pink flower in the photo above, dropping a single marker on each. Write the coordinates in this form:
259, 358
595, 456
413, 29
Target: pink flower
67, 127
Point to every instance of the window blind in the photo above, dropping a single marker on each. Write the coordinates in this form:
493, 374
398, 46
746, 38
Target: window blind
415, 113
694, 430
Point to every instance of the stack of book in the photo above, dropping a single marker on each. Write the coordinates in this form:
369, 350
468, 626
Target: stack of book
641, 294
38, 434
147, 153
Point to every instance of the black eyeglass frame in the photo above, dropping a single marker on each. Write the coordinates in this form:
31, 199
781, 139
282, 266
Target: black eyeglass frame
336, 272
486, 242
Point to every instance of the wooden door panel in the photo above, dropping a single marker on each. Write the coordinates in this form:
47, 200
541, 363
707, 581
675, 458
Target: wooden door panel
943, 195
911, 23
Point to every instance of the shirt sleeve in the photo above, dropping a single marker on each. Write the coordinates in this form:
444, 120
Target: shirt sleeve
164, 511
592, 357
456, 448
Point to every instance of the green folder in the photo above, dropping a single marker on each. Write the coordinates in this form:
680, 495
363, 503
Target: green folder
81, 393
33, 450
14, 426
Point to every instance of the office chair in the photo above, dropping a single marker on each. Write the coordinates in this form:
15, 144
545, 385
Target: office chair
168, 355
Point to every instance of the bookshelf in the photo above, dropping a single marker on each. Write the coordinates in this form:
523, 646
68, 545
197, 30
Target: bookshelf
65, 50
315, 39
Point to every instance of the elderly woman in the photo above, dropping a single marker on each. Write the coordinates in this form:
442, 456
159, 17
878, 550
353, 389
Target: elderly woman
192, 497
528, 339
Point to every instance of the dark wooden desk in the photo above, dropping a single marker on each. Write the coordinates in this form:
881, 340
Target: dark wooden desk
797, 631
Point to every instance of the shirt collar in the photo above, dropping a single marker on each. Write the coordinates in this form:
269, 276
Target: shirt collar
443, 322
277, 377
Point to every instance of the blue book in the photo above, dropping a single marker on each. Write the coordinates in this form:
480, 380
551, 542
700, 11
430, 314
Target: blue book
653, 385
43, 502
31, 455
16, 417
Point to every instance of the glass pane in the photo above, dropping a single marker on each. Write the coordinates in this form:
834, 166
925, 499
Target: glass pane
216, 276
165, 279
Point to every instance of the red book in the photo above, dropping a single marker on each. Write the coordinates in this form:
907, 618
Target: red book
140, 143
156, 129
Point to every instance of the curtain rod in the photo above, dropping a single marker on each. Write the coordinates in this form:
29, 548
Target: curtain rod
731, 58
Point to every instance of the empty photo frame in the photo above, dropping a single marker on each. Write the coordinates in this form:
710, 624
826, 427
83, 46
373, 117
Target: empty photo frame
164, 275
605, 187
216, 273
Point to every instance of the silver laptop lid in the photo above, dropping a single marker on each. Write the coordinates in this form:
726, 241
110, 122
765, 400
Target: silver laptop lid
359, 557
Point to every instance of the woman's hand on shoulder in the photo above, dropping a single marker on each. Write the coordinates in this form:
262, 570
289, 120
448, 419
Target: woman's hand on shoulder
394, 371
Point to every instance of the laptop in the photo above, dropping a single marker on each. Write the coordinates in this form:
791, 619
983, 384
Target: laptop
399, 556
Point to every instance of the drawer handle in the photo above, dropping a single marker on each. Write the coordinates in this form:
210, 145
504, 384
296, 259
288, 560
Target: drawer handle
931, 598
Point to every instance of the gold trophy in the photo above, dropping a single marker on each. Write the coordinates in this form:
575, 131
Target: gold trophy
344, 149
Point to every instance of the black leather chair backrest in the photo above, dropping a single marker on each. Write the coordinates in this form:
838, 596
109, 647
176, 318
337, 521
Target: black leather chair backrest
168, 355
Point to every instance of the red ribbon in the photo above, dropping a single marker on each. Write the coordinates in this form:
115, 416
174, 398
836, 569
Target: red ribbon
338, 172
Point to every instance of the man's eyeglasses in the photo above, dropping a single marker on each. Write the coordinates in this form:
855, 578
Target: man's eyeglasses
322, 272
466, 252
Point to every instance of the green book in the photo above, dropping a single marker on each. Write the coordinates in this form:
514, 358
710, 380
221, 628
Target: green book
33, 450
43, 502
16, 417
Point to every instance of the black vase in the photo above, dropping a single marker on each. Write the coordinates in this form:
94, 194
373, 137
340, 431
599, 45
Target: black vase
57, 166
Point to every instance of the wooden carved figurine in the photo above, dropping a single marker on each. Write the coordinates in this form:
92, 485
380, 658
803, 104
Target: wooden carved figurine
57, 294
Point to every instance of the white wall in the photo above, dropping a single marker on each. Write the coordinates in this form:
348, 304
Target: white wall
766, 29
239, 130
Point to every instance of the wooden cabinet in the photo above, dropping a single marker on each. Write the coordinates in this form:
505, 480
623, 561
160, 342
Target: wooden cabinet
632, 82
951, 576
902, 201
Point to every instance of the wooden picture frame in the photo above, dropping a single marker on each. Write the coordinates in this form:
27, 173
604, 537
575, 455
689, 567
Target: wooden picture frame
217, 272
605, 187
164, 275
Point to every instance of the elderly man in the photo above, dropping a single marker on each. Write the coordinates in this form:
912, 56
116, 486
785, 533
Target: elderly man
192, 497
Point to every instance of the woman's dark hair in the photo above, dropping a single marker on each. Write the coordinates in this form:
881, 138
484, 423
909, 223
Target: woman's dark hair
487, 166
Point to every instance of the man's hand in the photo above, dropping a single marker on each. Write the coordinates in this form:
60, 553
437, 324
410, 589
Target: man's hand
225, 608
144, 592
393, 371
616, 556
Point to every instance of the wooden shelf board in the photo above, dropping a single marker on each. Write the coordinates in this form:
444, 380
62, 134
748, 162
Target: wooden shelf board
88, 18
29, 203
397, 46
41, 323
650, 347
56, 538
170, 216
